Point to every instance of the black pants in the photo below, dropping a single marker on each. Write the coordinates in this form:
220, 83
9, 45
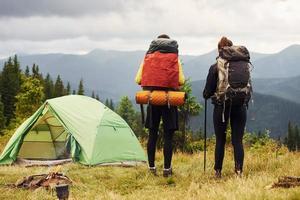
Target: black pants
170, 124
238, 116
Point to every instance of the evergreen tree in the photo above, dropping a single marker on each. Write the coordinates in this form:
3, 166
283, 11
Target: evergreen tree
97, 97
190, 108
16, 63
297, 136
27, 71
74, 92
111, 105
298, 141
10, 86
33, 70
291, 137
80, 88
30, 97
2, 118
48, 87
68, 91
126, 111
58, 87
106, 102
36, 72
93, 94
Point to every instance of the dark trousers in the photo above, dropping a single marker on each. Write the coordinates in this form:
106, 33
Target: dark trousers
170, 124
238, 116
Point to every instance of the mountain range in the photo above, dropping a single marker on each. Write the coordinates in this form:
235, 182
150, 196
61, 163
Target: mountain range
276, 79
111, 73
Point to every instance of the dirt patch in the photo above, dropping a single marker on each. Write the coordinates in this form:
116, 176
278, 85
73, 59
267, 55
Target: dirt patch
286, 182
48, 181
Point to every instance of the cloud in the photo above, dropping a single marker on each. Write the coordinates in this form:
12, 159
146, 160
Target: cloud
73, 8
263, 25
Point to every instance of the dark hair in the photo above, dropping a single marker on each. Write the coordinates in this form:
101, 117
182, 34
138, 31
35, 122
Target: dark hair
163, 36
224, 42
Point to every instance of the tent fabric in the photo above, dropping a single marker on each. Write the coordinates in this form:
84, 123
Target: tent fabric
94, 133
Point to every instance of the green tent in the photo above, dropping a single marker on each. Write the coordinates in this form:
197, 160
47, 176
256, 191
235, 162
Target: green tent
76, 127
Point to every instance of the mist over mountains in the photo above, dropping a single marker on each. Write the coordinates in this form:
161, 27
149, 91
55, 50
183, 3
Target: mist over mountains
111, 75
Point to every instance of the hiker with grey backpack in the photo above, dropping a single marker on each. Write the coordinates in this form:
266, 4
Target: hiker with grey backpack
228, 84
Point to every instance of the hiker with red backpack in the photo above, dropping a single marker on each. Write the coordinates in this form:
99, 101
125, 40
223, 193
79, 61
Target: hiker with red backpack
161, 70
228, 84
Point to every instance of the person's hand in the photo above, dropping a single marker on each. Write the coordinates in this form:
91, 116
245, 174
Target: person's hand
206, 96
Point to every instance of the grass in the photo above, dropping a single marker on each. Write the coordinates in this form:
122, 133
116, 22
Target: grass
262, 168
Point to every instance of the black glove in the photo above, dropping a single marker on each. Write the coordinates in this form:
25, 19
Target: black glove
206, 95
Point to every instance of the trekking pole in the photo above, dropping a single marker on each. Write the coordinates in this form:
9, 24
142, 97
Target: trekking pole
205, 111
142, 114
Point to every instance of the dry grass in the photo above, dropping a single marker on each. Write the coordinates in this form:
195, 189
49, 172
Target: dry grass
262, 168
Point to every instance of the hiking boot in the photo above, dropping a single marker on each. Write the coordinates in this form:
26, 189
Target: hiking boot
167, 172
218, 174
239, 173
153, 170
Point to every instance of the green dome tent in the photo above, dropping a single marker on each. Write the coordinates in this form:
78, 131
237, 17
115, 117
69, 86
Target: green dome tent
76, 127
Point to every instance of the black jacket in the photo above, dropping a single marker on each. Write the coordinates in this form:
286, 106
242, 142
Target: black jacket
211, 82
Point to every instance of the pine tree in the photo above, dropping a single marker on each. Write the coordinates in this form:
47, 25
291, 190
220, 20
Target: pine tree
106, 102
291, 137
297, 136
190, 108
27, 71
126, 111
93, 95
36, 72
10, 86
74, 92
58, 87
48, 87
30, 97
68, 90
298, 141
16, 63
111, 105
2, 118
97, 97
80, 88
33, 70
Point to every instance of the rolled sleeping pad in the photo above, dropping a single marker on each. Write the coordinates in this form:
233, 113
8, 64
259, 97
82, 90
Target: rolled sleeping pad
158, 97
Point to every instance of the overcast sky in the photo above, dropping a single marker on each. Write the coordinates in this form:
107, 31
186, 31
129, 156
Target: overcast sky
73, 26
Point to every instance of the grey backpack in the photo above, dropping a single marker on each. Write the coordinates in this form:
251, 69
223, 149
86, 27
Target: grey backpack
234, 79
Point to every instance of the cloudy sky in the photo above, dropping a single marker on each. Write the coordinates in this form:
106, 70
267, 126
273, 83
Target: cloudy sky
78, 26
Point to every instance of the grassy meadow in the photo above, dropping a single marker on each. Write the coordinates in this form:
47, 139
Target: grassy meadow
262, 167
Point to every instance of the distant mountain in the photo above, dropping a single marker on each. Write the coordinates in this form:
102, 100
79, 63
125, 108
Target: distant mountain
267, 112
279, 65
198, 67
111, 73
286, 88
276, 102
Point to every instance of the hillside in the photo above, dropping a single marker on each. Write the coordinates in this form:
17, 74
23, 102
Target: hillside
266, 112
286, 88
197, 68
111, 73
189, 182
282, 64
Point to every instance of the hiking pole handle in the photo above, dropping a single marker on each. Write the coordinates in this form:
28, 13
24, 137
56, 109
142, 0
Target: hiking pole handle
205, 136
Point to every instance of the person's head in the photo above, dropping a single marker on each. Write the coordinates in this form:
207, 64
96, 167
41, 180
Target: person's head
163, 36
224, 42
